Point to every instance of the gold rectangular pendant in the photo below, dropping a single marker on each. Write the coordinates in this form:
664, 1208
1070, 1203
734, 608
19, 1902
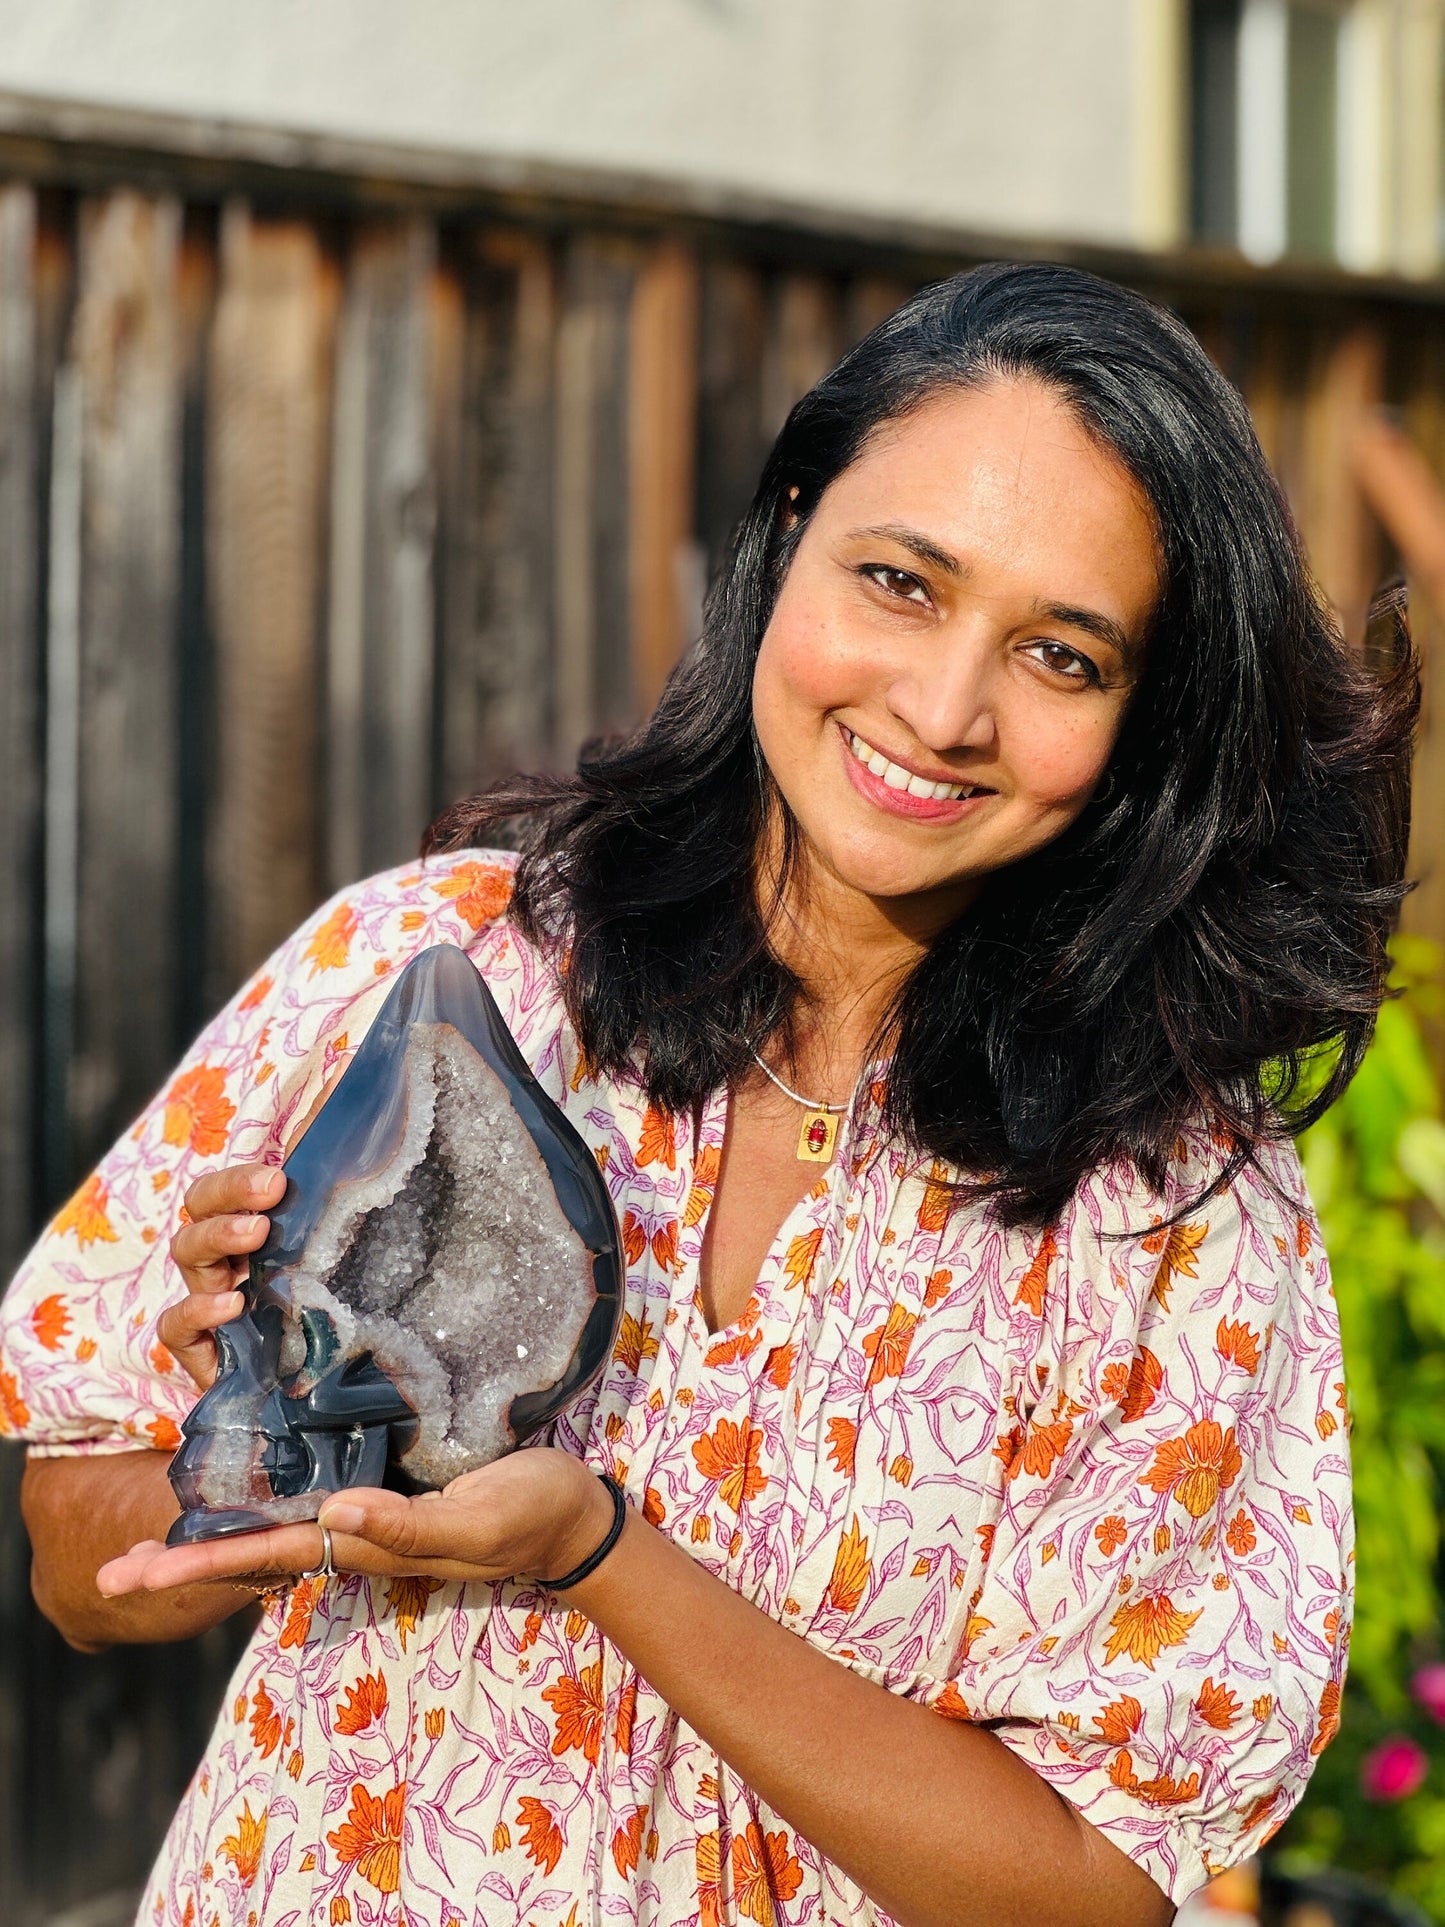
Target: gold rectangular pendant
817, 1137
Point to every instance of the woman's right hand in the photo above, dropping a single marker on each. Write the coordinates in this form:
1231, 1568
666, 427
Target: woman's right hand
226, 1211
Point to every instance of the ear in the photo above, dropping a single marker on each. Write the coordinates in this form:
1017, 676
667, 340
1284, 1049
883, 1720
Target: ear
790, 513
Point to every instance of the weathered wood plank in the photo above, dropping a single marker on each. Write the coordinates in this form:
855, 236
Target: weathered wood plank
666, 568
382, 621
805, 338
733, 435
494, 413
20, 725
1341, 535
126, 359
268, 451
592, 598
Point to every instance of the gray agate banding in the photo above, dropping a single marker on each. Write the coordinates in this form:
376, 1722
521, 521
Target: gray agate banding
442, 1277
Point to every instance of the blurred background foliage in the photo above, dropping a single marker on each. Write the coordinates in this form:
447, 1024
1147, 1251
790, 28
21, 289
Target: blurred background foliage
1376, 1170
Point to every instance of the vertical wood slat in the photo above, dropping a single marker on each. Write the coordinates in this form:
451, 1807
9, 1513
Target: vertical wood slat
1341, 535
20, 796
269, 399
382, 618
20, 721
732, 433
661, 459
806, 337
592, 599
494, 410
125, 353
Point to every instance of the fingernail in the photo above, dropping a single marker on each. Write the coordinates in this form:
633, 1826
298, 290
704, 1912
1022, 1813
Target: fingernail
339, 1517
245, 1222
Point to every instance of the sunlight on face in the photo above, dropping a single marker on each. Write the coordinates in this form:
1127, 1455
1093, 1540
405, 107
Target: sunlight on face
951, 654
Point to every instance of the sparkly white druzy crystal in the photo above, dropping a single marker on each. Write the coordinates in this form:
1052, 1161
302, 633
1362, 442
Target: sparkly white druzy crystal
454, 1265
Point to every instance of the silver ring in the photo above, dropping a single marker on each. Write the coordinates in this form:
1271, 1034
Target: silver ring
326, 1570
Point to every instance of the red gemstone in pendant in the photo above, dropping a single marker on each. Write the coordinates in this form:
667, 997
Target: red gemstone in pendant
817, 1134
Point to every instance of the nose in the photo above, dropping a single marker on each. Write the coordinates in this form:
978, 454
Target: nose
949, 700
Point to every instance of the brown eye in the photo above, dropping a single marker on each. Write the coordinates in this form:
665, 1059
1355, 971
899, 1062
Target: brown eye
1069, 664
897, 583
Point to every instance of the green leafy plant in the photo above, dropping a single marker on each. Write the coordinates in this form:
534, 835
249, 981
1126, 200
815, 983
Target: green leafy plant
1376, 1170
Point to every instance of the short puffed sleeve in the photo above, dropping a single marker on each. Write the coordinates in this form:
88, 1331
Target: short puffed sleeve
1163, 1618
81, 1368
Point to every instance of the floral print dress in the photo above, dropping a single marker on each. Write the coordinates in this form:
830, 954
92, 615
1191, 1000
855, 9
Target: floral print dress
1088, 1486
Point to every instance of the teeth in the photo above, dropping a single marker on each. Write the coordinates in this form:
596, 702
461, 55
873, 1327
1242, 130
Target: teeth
898, 778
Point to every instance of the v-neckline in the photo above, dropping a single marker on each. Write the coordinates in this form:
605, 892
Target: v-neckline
715, 1118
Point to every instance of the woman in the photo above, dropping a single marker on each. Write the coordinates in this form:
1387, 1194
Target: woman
932, 975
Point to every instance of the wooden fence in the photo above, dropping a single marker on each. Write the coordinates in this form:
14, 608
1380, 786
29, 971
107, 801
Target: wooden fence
324, 498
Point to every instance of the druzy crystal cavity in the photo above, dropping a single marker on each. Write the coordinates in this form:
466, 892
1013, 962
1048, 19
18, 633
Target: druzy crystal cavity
442, 1276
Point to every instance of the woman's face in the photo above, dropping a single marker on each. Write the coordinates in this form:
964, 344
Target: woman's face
952, 650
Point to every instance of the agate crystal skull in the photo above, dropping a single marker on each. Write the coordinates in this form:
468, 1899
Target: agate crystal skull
441, 1278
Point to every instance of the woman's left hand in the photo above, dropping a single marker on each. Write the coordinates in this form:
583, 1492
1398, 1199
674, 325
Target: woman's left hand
538, 1512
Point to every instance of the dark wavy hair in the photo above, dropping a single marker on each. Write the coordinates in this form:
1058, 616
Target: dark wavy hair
1206, 942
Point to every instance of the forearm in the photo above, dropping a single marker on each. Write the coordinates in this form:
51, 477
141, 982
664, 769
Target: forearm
81, 1512
935, 1819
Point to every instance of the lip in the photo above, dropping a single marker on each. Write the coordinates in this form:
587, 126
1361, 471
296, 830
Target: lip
921, 809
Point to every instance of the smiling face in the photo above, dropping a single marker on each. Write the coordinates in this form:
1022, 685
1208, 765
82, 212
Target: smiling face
951, 653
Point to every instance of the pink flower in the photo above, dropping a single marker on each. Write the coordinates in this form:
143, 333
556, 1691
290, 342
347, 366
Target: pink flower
1428, 1686
1394, 1769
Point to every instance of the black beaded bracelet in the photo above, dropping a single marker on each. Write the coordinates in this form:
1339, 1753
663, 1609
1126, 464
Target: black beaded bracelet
594, 1560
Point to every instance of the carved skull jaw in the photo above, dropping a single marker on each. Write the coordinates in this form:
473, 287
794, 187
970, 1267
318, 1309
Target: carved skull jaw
441, 1278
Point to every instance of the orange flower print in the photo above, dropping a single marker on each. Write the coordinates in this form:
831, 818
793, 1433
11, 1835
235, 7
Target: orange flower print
482, 891
1239, 1344
888, 1346
1180, 1246
1035, 1279
658, 1142
626, 1714
709, 1880
198, 1111
541, 1834
851, 1571
1164, 1791
1144, 1628
801, 1257
1217, 1706
299, 1609
636, 1340
257, 994
727, 1351
407, 1599
1329, 1717
1111, 1533
937, 1202
763, 1870
1120, 1720
704, 1183
340, 1911
265, 1723
86, 1215
1134, 1386
1239, 1534
939, 1286
1197, 1469
364, 1701
243, 1847
1251, 1815
330, 944
164, 1433
779, 1368
627, 1843
578, 1705
50, 1322
951, 1705
370, 1837
729, 1454
161, 1360
842, 1445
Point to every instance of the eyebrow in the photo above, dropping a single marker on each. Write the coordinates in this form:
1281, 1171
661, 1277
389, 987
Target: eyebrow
1091, 621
